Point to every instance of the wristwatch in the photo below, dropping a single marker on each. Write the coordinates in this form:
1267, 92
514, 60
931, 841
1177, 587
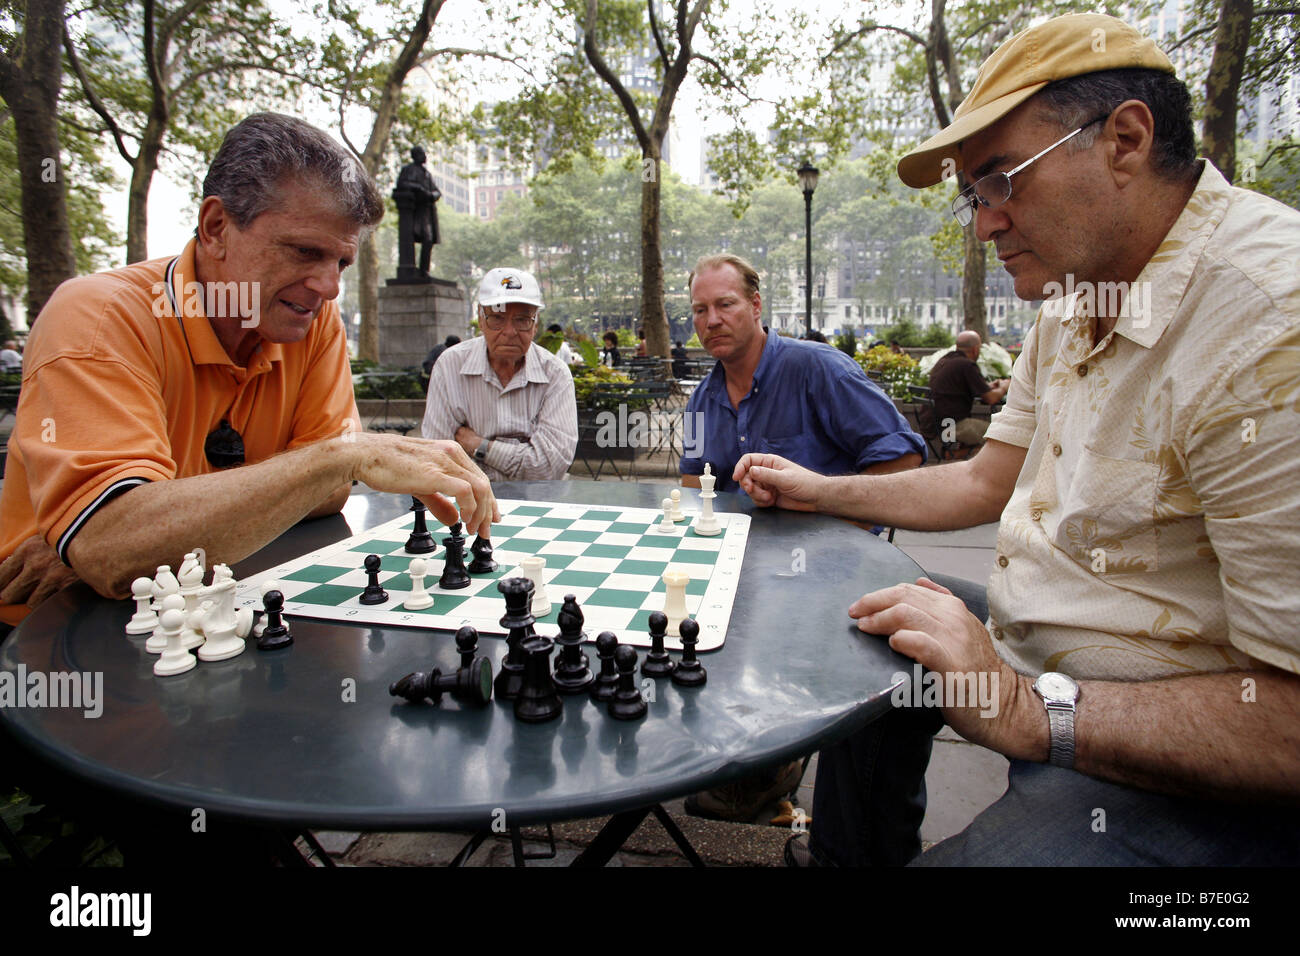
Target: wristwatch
481, 453
1060, 693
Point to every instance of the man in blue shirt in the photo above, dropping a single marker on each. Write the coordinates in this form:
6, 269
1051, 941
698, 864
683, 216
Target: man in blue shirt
799, 400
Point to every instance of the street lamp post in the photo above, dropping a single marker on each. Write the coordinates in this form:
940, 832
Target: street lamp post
808, 180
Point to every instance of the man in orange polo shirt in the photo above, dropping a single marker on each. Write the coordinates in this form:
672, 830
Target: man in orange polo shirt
144, 387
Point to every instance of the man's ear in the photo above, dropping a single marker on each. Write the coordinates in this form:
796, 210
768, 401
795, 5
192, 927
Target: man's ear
214, 227
1133, 140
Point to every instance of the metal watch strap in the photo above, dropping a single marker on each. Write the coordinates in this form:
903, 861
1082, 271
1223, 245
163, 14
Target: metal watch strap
480, 453
1060, 718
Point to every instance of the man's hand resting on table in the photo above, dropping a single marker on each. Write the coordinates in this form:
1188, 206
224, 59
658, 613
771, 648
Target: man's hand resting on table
771, 480
33, 573
929, 624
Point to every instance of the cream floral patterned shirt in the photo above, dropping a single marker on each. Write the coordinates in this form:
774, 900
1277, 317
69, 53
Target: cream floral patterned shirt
1155, 527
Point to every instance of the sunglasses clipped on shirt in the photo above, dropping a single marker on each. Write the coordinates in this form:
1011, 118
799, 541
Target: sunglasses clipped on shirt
993, 190
224, 446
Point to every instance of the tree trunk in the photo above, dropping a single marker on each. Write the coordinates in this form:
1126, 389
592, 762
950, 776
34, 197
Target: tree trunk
1219, 130
974, 314
142, 170
653, 319
30, 88
368, 296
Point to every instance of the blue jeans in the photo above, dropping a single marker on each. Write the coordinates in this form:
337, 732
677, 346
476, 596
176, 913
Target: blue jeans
1050, 816
869, 796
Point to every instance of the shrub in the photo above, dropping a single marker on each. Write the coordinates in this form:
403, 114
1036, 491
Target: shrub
893, 372
847, 343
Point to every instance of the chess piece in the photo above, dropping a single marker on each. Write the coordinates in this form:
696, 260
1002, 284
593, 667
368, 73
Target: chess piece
707, 523
420, 597
454, 576
675, 581
534, 568
606, 683
690, 672
420, 541
471, 684
164, 583
657, 662
467, 644
627, 702
263, 588
665, 525
482, 551
373, 594
157, 642
676, 497
518, 620
276, 633
175, 659
191, 582
145, 619
220, 624
572, 671
537, 701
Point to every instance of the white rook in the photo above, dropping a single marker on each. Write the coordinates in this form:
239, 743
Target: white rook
533, 568
675, 581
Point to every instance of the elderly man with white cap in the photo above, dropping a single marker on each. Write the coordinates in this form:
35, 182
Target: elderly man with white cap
1143, 614
506, 400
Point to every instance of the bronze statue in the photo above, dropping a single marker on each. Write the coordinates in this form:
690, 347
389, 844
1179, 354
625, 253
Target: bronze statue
417, 217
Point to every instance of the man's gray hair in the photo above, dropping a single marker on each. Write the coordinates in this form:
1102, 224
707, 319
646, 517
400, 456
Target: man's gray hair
265, 149
1078, 99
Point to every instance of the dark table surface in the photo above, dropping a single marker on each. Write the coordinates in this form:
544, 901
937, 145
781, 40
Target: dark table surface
309, 736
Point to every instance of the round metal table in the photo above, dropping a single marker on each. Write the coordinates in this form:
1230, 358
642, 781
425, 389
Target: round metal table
308, 736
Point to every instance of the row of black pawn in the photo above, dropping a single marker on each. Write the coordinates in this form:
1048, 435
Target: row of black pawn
525, 676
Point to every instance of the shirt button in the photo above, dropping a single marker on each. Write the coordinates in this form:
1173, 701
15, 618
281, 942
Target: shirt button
1083, 370
1036, 514
1002, 561
742, 437
1056, 450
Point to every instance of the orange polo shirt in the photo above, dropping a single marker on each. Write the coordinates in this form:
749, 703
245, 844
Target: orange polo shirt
118, 391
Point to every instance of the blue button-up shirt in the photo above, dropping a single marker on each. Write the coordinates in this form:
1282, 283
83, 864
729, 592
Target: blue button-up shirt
809, 403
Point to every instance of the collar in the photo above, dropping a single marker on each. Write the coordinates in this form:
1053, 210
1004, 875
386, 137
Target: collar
1154, 298
186, 300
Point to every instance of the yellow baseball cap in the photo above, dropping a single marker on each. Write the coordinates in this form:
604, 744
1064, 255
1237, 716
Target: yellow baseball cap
1062, 47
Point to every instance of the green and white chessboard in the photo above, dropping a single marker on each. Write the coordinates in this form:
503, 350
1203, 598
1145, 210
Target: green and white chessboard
611, 559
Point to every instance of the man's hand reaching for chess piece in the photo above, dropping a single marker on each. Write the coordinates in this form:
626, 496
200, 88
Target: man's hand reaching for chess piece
771, 480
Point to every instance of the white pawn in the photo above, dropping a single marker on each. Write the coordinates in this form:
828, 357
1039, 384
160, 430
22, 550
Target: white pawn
262, 588
675, 581
534, 568
676, 496
175, 658
145, 619
666, 525
420, 597
157, 642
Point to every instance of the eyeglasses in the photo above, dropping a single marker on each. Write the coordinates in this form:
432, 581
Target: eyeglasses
224, 447
993, 190
496, 321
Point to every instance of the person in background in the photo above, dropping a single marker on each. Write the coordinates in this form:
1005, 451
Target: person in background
610, 355
679, 360
564, 353
641, 350
11, 360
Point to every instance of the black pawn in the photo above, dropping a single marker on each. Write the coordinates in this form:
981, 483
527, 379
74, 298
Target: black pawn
657, 662
627, 702
467, 644
518, 620
689, 672
373, 594
454, 576
420, 541
276, 633
606, 682
572, 673
537, 700
482, 551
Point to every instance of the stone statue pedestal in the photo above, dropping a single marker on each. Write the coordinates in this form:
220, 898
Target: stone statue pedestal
414, 317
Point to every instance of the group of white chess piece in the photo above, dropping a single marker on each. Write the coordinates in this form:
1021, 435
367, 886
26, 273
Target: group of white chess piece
180, 614
706, 523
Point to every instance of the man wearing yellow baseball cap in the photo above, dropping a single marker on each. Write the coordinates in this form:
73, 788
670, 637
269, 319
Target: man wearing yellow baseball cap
1141, 642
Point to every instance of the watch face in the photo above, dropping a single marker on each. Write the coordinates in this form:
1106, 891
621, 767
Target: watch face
1056, 687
